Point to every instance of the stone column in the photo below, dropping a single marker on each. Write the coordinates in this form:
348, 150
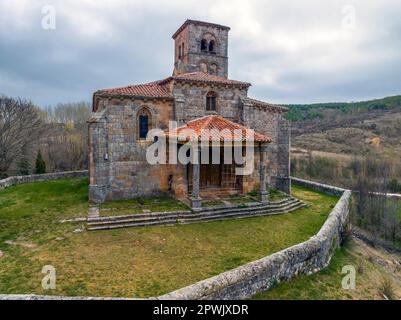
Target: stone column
263, 194
179, 109
195, 199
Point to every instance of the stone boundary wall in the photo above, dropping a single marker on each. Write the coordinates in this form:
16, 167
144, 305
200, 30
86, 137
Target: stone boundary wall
11, 181
335, 190
319, 186
390, 195
305, 258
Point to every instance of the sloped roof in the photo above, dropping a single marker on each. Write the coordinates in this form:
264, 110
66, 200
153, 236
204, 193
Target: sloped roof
159, 89
206, 78
217, 128
198, 23
265, 105
147, 90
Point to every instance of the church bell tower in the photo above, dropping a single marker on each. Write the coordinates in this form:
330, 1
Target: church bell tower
201, 46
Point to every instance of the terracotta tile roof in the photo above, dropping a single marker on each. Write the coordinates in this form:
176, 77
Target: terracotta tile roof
147, 90
265, 105
198, 23
206, 78
159, 89
215, 125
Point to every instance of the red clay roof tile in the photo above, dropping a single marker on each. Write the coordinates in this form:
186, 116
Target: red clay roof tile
217, 128
147, 90
159, 89
207, 78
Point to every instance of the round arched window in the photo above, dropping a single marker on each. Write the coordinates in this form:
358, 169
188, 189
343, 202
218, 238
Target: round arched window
204, 45
212, 47
143, 123
211, 101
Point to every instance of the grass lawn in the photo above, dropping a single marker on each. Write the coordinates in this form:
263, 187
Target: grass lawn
373, 268
135, 262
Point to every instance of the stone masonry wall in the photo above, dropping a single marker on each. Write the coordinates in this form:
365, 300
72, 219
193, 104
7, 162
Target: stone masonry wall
11, 181
193, 57
118, 166
191, 101
278, 155
258, 276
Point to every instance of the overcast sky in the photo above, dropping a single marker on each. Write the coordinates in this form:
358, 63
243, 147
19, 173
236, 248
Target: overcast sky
291, 51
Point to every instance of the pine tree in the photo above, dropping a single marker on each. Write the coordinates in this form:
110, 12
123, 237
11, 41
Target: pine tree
40, 166
23, 167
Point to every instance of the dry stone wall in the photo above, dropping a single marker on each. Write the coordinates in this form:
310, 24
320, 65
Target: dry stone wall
11, 181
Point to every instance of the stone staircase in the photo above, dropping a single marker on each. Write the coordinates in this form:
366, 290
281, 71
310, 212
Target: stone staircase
186, 217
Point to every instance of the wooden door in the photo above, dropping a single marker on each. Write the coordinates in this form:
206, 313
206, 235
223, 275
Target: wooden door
214, 175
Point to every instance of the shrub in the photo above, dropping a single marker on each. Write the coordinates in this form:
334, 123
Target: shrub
394, 186
23, 167
386, 289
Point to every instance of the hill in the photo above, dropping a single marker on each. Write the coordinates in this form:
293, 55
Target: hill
350, 128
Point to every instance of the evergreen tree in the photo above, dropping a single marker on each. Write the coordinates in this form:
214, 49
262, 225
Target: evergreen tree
40, 166
23, 167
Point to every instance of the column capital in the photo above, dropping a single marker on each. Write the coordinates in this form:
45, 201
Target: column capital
264, 147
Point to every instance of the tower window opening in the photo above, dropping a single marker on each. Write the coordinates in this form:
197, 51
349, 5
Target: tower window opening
203, 45
212, 46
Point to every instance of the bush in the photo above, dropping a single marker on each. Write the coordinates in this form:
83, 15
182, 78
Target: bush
23, 167
386, 289
394, 186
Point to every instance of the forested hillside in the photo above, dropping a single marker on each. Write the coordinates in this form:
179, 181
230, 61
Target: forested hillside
304, 112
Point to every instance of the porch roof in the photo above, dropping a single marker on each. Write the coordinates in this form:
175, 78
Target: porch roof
215, 128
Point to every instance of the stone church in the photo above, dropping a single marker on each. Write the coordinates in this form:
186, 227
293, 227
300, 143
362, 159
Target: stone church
199, 95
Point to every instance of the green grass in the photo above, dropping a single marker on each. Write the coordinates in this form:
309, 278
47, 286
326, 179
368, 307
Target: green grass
138, 262
326, 284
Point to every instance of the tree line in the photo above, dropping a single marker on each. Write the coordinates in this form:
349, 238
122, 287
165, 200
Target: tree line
303, 112
371, 177
35, 140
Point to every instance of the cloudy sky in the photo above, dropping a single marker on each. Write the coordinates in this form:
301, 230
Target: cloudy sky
292, 51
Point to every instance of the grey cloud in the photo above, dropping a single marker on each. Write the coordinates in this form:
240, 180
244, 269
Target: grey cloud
98, 45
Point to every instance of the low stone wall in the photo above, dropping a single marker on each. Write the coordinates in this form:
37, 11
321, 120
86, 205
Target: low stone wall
319, 186
304, 258
11, 181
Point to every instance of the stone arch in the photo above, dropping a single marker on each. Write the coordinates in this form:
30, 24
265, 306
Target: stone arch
214, 68
203, 66
207, 39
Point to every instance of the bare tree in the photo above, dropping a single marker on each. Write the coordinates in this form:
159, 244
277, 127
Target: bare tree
20, 123
72, 112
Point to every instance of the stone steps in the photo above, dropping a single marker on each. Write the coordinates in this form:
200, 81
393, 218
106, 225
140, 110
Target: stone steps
183, 217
